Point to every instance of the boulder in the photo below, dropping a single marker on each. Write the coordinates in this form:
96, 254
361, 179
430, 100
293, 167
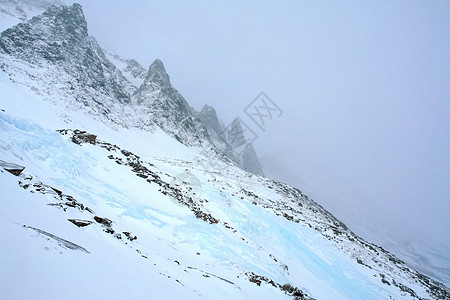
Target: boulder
79, 137
103, 221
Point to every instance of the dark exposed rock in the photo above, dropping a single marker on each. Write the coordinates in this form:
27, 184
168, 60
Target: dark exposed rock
104, 221
58, 192
126, 153
80, 223
293, 209
286, 288
129, 236
12, 168
109, 230
137, 166
205, 217
89, 210
66, 201
255, 279
80, 137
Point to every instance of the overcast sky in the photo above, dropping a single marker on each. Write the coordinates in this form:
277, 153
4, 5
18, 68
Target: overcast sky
364, 87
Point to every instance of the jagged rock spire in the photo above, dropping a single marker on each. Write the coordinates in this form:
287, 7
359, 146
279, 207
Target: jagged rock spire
157, 73
231, 140
209, 117
155, 80
166, 107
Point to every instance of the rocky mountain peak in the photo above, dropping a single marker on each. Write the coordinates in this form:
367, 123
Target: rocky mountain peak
209, 117
52, 35
69, 19
59, 39
167, 108
155, 81
157, 74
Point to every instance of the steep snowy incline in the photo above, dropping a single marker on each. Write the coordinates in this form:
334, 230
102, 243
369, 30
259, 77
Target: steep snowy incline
231, 235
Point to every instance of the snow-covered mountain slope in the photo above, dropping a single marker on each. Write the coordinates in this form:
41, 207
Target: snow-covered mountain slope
119, 208
239, 236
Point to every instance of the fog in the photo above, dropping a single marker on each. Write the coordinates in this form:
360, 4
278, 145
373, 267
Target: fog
363, 87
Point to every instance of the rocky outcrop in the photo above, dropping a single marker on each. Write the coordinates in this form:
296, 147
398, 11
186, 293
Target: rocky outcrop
12, 168
164, 105
287, 288
79, 137
80, 223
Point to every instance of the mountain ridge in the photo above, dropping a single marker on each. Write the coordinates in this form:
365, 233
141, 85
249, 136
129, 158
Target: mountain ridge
68, 47
253, 198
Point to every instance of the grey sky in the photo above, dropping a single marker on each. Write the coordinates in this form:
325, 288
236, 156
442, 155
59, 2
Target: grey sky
364, 86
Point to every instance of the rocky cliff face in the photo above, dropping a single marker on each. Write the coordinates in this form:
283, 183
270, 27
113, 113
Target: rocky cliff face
165, 106
73, 65
209, 117
58, 57
130, 68
231, 140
